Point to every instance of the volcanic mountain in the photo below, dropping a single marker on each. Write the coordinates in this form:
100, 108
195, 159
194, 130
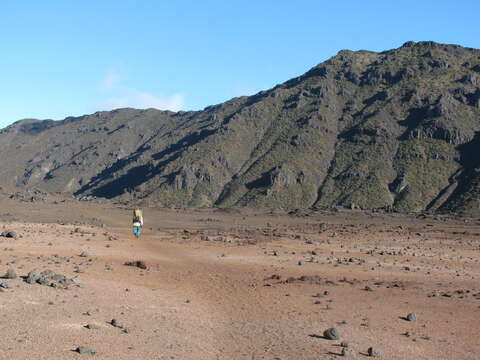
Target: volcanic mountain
394, 130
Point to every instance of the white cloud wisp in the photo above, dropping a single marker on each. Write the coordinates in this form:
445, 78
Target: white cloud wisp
122, 96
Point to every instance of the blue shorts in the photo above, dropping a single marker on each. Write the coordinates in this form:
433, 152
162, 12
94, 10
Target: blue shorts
137, 230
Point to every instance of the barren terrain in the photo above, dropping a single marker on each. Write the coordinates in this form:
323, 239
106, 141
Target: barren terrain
236, 284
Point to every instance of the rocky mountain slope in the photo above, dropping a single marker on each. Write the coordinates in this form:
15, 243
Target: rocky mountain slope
394, 130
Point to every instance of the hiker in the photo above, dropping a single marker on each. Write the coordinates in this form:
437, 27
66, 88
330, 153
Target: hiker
137, 222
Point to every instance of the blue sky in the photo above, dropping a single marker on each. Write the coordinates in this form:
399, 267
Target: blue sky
69, 58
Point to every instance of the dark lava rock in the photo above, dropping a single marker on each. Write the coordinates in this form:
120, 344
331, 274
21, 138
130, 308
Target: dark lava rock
45, 277
58, 277
32, 277
10, 274
43, 280
332, 334
9, 234
5, 285
50, 278
372, 352
138, 263
84, 350
116, 324
412, 317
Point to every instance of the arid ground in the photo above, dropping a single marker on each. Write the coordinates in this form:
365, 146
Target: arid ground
237, 284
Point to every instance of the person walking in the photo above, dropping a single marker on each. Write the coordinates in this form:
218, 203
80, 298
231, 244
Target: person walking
137, 222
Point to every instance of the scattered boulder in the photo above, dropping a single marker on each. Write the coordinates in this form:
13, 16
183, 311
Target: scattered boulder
332, 334
5, 285
10, 274
372, 352
75, 281
9, 234
50, 278
138, 263
85, 351
116, 324
411, 317
32, 277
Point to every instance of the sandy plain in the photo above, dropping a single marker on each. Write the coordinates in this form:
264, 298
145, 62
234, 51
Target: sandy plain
237, 284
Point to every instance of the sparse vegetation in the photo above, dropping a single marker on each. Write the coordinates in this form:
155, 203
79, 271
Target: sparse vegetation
346, 133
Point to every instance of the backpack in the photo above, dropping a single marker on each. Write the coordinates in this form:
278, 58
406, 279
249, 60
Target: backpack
137, 215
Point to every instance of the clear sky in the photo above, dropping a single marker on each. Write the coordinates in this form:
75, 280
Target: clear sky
69, 58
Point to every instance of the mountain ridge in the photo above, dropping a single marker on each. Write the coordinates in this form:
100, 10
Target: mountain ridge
393, 130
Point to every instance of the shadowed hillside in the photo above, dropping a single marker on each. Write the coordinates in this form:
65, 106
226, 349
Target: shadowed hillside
394, 130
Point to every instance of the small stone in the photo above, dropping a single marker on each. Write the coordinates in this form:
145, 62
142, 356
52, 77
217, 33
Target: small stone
412, 317
84, 350
300, 263
5, 285
349, 352
9, 234
372, 352
75, 281
83, 254
116, 324
332, 334
10, 274
344, 344
92, 326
